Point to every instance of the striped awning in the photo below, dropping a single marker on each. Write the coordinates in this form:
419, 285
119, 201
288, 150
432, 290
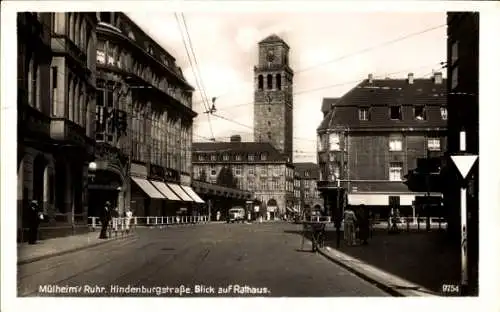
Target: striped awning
179, 192
192, 194
165, 191
148, 188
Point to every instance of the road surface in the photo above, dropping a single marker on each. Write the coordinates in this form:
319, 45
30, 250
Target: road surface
196, 260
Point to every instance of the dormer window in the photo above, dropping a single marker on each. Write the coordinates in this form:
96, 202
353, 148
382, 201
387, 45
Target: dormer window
307, 174
213, 157
419, 112
251, 157
395, 112
201, 157
263, 156
238, 157
131, 35
225, 157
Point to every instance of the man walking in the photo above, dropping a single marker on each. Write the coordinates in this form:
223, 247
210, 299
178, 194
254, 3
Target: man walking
105, 217
364, 224
34, 218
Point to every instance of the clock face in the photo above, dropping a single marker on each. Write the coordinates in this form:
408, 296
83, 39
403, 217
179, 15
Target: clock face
270, 55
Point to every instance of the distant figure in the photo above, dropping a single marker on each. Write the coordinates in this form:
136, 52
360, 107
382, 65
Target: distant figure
128, 218
218, 215
34, 218
104, 218
350, 226
364, 224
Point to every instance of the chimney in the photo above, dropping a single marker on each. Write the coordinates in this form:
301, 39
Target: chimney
236, 138
410, 78
370, 78
438, 78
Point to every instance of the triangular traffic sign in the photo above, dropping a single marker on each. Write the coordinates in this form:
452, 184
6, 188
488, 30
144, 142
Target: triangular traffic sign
464, 163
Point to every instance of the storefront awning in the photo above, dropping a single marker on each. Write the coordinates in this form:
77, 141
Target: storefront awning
179, 192
165, 191
148, 188
192, 194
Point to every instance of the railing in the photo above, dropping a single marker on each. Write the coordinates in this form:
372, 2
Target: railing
122, 224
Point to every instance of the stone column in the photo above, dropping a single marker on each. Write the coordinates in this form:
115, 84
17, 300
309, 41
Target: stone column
121, 201
68, 197
49, 191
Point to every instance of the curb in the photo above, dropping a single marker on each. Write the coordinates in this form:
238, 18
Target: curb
68, 251
383, 285
367, 278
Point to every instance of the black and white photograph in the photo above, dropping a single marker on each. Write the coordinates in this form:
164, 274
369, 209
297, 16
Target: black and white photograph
214, 151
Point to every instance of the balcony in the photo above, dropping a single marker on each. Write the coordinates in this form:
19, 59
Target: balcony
68, 132
32, 123
62, 45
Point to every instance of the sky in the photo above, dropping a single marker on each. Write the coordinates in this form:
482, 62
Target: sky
329, 52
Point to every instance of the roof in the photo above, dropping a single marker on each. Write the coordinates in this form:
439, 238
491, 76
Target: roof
312, 168
241, 148
273, 39
380, 94
327, 104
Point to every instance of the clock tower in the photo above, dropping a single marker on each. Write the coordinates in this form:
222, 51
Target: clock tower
273, 96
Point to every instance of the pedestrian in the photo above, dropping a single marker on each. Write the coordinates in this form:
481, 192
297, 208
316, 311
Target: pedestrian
349, 226
104, 218
364, 224
34, 218
115, 216
128, 218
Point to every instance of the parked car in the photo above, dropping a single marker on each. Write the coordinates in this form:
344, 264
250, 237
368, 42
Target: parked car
236, 214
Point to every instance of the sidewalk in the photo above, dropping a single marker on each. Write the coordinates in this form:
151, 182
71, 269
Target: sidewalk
61, 245
405, 264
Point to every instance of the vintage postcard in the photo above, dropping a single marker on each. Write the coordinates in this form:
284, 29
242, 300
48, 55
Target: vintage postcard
244, 150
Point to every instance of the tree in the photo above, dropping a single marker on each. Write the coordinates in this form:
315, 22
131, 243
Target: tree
226, 178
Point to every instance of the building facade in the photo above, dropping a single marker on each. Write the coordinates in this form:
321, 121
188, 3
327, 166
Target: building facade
56, 109
256, 166
371, 136
307, 175
463, 86
143, 127
273, 96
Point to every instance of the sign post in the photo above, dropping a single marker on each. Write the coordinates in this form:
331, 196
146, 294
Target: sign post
463, 163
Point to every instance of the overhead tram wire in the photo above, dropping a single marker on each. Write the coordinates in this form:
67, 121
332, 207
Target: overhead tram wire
336, 85
198, 84
362, 51
300, 92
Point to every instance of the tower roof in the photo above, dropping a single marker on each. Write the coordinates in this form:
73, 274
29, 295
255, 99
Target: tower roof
273, 39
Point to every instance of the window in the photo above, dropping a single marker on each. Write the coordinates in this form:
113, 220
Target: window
105, 17
263, 156
269, 123
334, 142
395, 144
277, 171
261, 82
201, 157
307, 174
363, 113
269, 82
395, 171
419, 112
334, 170
111, 55
434, 144
263, 171
278, 81
251, 171
395, 112
213, 171
225, 157
269, 109
213, 157
269, 135
454, 78
238, 157
444, 113
251, 157
54, 90
101, 52
454, 52
237, 170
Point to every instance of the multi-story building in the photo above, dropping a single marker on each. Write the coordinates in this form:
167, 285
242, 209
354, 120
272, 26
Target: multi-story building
307, 174
373, 134
273, 96
463, 110
297, 194
257, 167
144, 123
56, 105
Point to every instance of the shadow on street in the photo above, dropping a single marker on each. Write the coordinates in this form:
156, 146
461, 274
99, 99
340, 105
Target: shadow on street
424, 258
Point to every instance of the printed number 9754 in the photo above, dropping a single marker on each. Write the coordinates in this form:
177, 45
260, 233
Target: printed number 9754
450, 289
